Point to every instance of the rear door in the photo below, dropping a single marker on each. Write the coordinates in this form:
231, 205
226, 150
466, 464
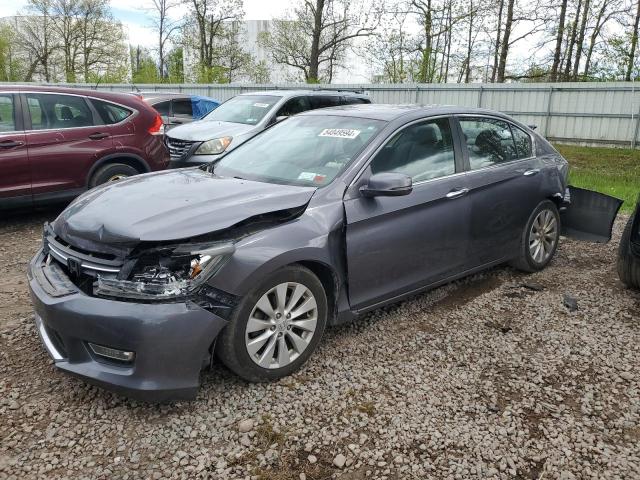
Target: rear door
65, 136
505, 185
399, 244
15, 175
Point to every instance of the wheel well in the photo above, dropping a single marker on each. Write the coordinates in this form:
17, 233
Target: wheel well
132, 162
329, 281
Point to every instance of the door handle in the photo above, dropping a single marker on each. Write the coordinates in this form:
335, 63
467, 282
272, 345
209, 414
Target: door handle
11, 144
98, 136
530, 173
457, 193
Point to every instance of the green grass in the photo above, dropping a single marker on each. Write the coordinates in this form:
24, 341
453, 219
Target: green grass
614, 171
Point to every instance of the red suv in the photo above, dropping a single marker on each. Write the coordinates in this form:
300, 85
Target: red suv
56, 143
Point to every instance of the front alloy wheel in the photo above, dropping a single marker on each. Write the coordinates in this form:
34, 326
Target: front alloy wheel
281, 325
276, 327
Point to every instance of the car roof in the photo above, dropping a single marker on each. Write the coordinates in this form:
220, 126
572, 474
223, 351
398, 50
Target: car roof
388, 113
162, 95
295, 93
117, 97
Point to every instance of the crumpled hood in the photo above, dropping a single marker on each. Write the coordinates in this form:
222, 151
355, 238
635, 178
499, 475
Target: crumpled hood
171, 205
204, 130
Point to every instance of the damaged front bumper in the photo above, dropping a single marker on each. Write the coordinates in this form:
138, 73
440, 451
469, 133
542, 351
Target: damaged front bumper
170, 342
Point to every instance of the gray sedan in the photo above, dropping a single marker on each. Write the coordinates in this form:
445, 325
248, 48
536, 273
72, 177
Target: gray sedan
319, 219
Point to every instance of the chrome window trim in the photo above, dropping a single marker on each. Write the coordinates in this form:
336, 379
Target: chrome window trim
391, 135
493, 117
134, 112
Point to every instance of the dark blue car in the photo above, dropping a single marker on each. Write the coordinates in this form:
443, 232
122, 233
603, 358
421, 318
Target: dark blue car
315, 221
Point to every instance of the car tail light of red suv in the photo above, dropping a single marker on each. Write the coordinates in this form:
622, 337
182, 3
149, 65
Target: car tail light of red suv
69, 140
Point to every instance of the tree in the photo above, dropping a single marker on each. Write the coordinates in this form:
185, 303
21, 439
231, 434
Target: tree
634, 44
165, 28
391, 49
34, 36
175, 65
207, 21
10, 68
143, 67
313, 38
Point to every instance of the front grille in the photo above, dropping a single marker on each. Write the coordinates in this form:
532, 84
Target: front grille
81, 266
177, 148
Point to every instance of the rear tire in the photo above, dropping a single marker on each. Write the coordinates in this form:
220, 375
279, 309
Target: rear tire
628, 264
112, 173
269, 335
540, 238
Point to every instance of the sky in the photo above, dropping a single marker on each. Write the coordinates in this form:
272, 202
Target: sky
133, 15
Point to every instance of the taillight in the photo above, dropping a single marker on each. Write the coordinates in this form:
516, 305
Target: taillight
157, 127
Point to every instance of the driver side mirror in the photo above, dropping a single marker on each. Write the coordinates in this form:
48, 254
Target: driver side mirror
388, 184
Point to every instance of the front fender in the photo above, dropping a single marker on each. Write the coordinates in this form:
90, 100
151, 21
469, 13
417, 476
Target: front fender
316, 236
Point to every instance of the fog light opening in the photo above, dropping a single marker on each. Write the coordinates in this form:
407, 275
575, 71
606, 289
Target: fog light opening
112, 353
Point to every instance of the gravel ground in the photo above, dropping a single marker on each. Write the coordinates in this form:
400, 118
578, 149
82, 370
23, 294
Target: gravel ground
484, 378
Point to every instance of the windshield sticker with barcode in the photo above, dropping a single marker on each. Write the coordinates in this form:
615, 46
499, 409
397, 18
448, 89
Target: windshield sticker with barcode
339, 133
261, 105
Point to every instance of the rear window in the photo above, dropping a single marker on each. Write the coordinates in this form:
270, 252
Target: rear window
109, 112
162, 108
182, 108
324, 101
355, 100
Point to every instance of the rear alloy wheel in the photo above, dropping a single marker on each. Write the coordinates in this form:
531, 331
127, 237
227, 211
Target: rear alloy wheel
543, 236
112, 172
540, 238
276, 327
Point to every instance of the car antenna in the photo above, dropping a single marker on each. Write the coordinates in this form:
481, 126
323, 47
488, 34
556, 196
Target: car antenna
95, 87
135, 86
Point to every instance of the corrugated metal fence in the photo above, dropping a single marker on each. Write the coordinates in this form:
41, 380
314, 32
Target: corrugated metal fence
586, 113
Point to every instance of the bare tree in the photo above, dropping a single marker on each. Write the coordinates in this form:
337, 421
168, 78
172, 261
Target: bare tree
559, 38
314, 36
165, 28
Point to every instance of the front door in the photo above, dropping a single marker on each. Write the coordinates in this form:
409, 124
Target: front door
15, 176
399, 244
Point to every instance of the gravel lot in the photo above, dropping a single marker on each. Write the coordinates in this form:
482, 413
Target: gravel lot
485, 378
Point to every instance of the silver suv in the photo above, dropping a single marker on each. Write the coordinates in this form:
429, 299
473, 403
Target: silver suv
244, 116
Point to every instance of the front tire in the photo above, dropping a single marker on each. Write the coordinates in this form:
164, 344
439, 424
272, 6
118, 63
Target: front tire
540, 238
628, 265
276, 327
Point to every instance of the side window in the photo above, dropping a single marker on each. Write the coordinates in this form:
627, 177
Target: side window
110, 113
58, 111
7, 114
36, 112
162, 108
355, 101
423, 151
522, 141
324, 101
294, 106
182, 108
489, 141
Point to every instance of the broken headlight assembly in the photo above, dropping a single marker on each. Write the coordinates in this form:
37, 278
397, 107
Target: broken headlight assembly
166, 273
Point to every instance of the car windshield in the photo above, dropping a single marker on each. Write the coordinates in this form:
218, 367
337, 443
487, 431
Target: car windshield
247, 109
304, 150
